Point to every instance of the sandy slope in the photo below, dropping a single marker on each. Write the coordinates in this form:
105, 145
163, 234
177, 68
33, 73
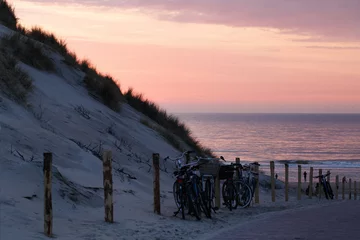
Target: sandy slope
56, 126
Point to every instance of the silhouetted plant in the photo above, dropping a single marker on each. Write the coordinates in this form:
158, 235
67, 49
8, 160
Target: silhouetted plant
28, 51
168, 122
14, 82
7, 14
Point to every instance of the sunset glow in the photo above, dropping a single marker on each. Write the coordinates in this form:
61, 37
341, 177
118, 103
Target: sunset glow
191, 56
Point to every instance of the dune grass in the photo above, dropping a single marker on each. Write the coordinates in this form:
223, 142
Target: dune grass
28, 51
14, 82
102, 87
7, 15
169, 122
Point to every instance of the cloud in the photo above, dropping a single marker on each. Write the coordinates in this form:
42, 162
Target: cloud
333, 20
334, 47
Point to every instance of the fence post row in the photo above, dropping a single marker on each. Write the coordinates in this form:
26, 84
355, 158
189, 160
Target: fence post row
156, 165
349, 188
320, 188
343, 189
257, 189
286, 182
108, 187
272, 170
299, 183
48, 216
311, 182
355, 191
337, 187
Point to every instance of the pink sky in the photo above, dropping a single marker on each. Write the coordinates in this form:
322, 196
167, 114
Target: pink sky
215, 55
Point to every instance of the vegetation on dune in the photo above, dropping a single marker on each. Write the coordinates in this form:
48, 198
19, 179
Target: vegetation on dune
25, 46
14, 82
169, 122
28, 51
7, 14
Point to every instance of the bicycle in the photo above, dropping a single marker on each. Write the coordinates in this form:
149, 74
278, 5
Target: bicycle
250, 178
242, 191
326, 185
188, 192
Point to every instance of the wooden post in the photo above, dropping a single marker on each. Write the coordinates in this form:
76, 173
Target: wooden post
272, 180
299, 183
343, 189
328, 177
337, 187
311, 182
108, 187
237, 161
217, 191
48, 216
156, 166
355, 191
349, 188
257, 189
320, 188
286, 182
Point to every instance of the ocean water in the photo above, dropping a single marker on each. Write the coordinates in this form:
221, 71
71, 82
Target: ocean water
323, 141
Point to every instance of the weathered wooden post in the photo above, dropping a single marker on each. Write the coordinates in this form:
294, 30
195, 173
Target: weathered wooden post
299, 183
337, 187
48, 216
257, 189
343, 189
311, 182
108, 187
156, 166
320, 188
355, 191
237, 161
349, 188
286, 182
217, 191
272, 171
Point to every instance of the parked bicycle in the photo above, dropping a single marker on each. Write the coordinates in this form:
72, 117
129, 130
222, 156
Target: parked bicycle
236, 192
250, 177
326, 185
188, 193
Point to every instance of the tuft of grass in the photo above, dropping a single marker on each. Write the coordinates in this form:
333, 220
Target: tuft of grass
7, 14
102, 86
58, 45
168, 136
28, 51
169, 122
14, 82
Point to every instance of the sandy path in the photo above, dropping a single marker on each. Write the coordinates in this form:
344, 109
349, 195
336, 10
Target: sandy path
335, 221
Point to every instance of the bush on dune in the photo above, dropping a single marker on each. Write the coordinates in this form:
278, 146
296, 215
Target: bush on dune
7, 15
28, 51
169, 122
14, 82
102, 86
58, 45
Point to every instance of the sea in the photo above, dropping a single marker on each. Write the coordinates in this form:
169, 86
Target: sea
330, 142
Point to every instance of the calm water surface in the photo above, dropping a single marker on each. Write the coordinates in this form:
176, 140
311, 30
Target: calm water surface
327, 141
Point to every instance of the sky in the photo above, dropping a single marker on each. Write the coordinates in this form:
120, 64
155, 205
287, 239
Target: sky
214, 55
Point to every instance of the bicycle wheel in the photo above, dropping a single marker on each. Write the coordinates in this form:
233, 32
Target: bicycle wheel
177, 196
182, 202
209, 196
194, 204
244, 194
204, 201
230, 195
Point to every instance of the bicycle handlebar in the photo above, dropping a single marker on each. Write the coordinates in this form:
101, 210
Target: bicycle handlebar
180, 156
